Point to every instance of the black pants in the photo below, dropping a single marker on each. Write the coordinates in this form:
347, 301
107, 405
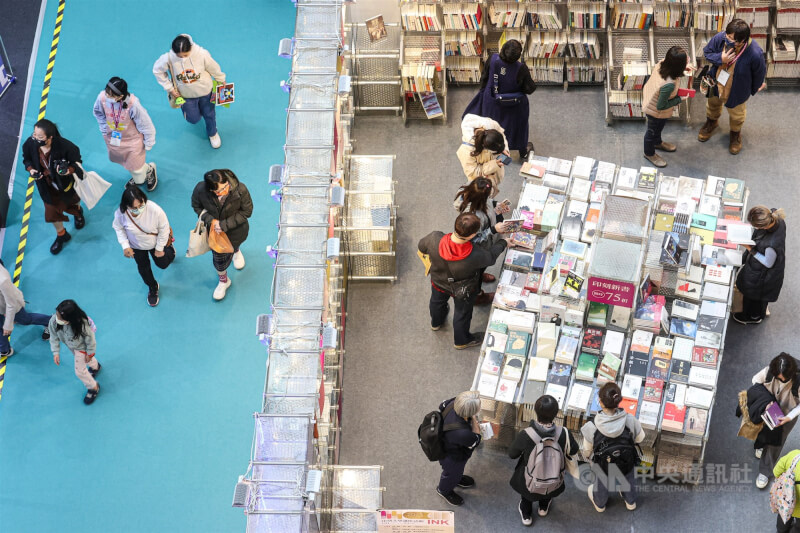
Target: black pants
787, 527
143, 263
527, 506
452, 470
652, 136
754, 308
462, 315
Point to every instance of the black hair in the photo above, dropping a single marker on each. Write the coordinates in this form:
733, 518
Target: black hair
49, 129
467, 224
511, 51
783, 364
740, 30
546, 409
72, 313
212, 178
181, 43
118, 87
488, 140
610, 395
674, 63
474, 195
131, 193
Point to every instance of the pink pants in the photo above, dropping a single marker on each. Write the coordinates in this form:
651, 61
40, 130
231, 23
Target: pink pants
82, 372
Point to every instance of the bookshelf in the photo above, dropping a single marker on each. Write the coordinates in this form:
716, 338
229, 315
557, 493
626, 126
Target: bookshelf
422, 59
464, 26
783, 63
375, 70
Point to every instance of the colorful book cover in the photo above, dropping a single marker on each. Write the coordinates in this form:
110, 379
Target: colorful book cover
653, 390
587, 366
679, 371
659, 369
592, 340
705, 356
518, 342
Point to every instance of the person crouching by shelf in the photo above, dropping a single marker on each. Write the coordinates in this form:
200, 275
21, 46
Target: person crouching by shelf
143, 230
781, 379
72, 326
458, 443
783, 465
555, 445
54, 162
454, 261
127, 130
482, 141
612, 430
224, 204
761, 277
739, 69
506, 83
660, 96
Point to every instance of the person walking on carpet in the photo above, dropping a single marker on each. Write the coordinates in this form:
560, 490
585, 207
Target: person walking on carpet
12, 302
459, 443
72, 326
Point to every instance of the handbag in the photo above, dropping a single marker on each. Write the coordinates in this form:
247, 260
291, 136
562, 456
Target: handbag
91, 188
708, 85
198, 238
219, 242
170, 240
507, 99
747, 429
462, 289
173, 100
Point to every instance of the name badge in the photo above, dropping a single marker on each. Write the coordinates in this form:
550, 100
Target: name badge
116, 138
722, 77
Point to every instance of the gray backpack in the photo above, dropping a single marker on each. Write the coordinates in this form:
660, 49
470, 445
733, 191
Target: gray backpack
544, 472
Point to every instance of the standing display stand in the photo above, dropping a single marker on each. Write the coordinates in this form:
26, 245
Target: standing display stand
376, 70
592, 290
6, 72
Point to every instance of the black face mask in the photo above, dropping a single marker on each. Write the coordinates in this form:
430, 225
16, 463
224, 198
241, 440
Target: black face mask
40, 142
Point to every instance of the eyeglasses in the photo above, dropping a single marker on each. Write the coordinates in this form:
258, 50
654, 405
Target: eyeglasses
35, 138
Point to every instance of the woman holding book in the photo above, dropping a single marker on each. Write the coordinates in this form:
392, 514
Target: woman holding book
474, 198
761, 277
505, 97
660, 96
781, 379
546, 409
612, 427
482, 141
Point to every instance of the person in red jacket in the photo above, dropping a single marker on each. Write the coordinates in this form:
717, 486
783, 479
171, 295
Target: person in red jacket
454, 257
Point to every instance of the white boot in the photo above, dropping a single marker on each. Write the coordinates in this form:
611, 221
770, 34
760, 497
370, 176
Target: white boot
238, 260
215, 141
222, 288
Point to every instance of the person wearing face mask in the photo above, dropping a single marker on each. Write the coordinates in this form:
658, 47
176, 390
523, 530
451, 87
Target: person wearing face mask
54, 162
780, 378
143, 231
128, 131
739, 68
188, 71
224, 204
482, 141
70, 325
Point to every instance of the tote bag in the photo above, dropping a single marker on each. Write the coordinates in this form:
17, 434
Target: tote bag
91, 188
198, 239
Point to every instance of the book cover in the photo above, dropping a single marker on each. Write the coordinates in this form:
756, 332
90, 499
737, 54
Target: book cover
718, 274
523, 240
594, 404
496, 340
532, 391
716, 292
668, 187
647, 178
653, 390
704, 222
717, 309
487, 384
573, 285
492, 362
560, 374
533, 169
714, 186
546, 340
512, 369
663, 347
631, 387
630, 406
565, 352
518, 342
587, 366
683, 309
733, 191
506, 389
682, 349
696, 421
682, 328
702, 376
597, 314
592, 340
705, 356
574, 248
513, 278
679, 371
519, 260
559, 392
579, 396
675, 393
613, 342
610, 366
663, 222
532, 281
376, 28
708, 339
626, 178
674, 417
641, 340
698, 397
773, 414
648, 414
711, 324
659, 369
637, 366
538, 367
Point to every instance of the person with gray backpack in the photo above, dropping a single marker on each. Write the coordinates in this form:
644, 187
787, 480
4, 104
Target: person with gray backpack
543, 450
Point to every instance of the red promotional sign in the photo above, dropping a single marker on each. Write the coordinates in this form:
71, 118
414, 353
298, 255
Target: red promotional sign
611, 292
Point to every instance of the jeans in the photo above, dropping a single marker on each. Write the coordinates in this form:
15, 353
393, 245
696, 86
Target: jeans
754, 308
600, 490
23, 318
462, 316
452, 471
143, 264
652, 136
194, 108
527, 506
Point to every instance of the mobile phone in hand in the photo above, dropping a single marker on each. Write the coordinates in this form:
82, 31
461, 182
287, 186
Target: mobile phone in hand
503, 158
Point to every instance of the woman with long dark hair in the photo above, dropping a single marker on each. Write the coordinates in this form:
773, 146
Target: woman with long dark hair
660, 96
224, 205
73, 327
474, 198
127, 130
482, 142
54, 162
505, 85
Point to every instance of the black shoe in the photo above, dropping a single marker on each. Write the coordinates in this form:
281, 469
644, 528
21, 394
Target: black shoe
91, 395
477, 340
9, 353
152, 178
452, 498
58, 244
95, 371
741, 318
466, 482
152, 296
523, 154
46, 334
80, 220
130, 183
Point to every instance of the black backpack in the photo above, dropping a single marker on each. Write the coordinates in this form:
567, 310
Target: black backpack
620, 450
431, 433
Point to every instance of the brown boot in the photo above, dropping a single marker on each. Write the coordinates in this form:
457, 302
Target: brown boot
736, 142
484, 298
707, 129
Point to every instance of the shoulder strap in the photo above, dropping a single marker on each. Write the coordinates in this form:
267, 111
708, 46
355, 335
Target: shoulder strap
138, 226
171, 73
446, 411
533, 435
794, 463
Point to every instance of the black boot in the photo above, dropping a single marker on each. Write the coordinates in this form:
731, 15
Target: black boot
58, 244
80, 221
523, 154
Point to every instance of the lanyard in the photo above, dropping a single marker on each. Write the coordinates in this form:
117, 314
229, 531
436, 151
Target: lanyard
116, 116
738, 55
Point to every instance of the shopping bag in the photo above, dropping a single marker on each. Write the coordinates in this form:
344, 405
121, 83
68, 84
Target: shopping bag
198, 239
91, 188
219, 242
426, 261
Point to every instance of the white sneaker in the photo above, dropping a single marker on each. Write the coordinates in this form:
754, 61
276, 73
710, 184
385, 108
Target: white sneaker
222, 288
759, 451
238, 260
629, 506
590, 490
525, 521
215, 141
761, 481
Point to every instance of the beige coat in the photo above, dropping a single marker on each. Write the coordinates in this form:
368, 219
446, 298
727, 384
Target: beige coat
781, 391
484, 165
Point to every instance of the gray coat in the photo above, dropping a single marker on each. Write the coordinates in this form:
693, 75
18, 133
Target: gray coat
58, 334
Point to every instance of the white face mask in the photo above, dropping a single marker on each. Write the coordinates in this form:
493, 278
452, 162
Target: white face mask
61, 322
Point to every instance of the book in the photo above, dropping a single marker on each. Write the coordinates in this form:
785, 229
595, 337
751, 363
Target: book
648, 414
705, 356
718, 274
532, 281
682, 349
772, 415
512, 369
716, 292
573, 285
663, 347
671, 251
637, 365
629, 406
579, 397
740, 234
605, 172
663, 222
641, 340
592, 340
647, 178
675, 393
653, 390
686, 92
609, 367
559, 392
733, 191
582, 167
626, 178
679, 371
532, 391
613, 342
533, 169
683, 309
701, 376
708, 339
687, 289
487, 384
496, 341
597, 314
714, 186
518, 260
506, 389
668, 187
586, 367
704, 222
518, 343
697, 397
523, 240
560, 374
594, 405
574, 248
711, 324
376, 28
537, 368
682, 328
710, 206
631, 387
565, 352
659, 369
696, 419
674, 417
492, 362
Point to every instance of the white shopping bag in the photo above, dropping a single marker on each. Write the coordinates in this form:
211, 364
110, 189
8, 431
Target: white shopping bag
198, 239
91, 188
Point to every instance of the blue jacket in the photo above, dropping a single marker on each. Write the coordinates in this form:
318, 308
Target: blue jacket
749, 72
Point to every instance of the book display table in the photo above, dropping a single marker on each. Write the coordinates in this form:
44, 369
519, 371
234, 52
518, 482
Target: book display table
631, 284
